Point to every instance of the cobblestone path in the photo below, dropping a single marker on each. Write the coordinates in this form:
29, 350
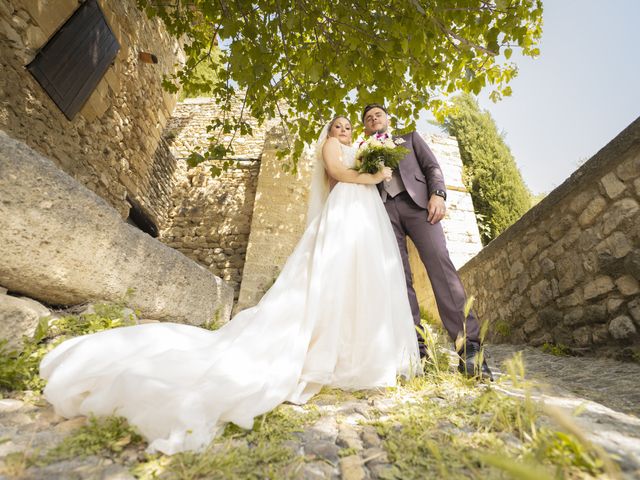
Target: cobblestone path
342, 444
609, 382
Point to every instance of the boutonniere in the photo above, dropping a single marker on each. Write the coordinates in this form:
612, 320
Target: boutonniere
399, 141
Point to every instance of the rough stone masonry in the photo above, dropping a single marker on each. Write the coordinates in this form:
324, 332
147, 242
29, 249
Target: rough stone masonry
568, 271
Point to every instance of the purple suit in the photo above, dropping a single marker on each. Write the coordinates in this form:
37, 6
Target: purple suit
421, 176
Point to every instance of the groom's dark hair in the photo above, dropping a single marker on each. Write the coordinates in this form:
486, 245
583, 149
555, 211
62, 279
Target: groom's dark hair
373, 105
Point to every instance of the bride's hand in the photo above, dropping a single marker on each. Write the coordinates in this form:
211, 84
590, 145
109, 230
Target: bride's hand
383, 174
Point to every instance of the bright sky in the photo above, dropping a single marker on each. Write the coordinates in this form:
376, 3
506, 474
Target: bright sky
581, 91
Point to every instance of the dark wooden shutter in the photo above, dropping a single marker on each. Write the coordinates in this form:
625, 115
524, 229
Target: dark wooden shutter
74, 60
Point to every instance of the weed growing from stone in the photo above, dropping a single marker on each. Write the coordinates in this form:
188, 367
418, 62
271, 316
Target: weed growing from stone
557, 349
215, 323
503, 329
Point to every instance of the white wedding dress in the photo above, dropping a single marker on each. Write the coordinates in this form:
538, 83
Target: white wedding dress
337, 315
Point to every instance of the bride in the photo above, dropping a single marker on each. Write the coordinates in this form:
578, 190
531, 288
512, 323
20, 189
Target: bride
337, 315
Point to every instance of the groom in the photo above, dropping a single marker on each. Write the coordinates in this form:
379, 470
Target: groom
415, 201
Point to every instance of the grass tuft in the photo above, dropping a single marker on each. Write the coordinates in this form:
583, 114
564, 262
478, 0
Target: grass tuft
557, 349
103, 435
267, 451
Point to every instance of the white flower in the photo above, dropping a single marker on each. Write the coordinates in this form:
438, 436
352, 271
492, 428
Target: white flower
399, 141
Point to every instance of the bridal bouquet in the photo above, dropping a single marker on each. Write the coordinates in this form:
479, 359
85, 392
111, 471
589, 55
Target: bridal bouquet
375, 151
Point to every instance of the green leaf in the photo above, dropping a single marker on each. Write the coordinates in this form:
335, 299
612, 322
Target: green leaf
312, 61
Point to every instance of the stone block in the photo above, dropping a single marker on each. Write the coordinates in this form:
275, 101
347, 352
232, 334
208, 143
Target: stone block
582, 336
632, 263
617, 245
550, 316
621, 214
613, 187
589, 239
114, 82
627, 285
562, 335
35, 37
516, 269
634, 310
592, 211
613, 304
600, 334
629, 168
595, 313
622, 328
7, 31
6, 10
547, 265
598, 287
571, 300
49, 15
351, 468
571, 236
523, 282
558, 229
541, 339
534, 269
540, 293
543, 241
532, 325
348, 437
570, 271
580, 201
574, 316
18, 317
610, 265
62, 244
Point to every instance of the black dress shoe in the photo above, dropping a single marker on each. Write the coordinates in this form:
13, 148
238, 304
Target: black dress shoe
422, 349
468, 364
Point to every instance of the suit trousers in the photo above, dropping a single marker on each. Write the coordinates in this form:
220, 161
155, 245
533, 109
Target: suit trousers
410, 220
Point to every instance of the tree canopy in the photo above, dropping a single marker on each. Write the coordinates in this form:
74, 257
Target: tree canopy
304, 61
499, 194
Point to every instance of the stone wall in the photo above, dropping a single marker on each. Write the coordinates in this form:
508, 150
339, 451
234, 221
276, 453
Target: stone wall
113, 144
279, 219
210, 217
567, 272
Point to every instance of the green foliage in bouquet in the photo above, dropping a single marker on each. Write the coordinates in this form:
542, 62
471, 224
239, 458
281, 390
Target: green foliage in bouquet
375, 153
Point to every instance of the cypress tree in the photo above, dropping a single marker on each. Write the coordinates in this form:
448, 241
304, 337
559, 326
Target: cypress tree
490, 173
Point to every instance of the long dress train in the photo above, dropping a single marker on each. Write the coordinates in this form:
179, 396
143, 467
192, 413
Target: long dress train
337, 315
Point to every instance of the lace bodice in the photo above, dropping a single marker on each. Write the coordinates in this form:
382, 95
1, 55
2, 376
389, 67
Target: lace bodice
349, 155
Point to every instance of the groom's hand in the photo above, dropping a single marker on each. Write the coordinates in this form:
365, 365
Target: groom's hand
436, 209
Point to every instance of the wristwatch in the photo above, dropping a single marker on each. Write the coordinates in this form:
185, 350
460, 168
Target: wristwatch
441, 193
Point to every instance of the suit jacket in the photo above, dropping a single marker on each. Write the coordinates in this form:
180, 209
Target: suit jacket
419, 170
